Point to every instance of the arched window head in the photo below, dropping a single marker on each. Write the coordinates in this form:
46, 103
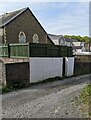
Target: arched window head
22, 37
35, 38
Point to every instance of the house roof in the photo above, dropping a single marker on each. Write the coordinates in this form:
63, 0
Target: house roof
77, 47
70, 40
54, 37
57, 37
8, 17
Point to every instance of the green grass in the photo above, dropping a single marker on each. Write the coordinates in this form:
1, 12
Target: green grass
16, 86
86, 98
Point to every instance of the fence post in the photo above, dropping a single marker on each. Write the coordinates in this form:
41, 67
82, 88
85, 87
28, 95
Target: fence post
46, 50
29, 50
8, 50
59, 51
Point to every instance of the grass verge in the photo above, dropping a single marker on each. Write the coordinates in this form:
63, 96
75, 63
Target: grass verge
86, 99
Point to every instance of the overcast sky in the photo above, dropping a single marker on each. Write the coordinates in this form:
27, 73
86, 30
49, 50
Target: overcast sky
58, 17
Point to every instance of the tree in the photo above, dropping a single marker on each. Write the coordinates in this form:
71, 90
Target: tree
79, 38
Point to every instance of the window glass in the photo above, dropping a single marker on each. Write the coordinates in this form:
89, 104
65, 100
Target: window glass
22, 37
35, 38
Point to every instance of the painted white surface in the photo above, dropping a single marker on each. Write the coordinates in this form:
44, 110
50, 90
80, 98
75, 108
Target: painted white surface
69, 66
77, 43
43, 68
82, 53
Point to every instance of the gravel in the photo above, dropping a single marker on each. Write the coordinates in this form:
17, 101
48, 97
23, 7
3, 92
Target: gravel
49, 100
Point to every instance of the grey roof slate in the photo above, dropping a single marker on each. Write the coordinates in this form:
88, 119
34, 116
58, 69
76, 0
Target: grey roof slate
54, 37
7, 17
57, 37
70, 40
77, 47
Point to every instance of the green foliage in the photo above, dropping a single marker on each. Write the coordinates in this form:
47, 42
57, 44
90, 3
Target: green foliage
79, 38
6, 89
86, 93
17, 85
86, 97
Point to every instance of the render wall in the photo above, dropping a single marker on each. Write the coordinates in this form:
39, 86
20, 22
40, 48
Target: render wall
69, 66
43, 68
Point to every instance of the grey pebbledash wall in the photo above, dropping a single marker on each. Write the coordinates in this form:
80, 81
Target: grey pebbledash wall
17, 73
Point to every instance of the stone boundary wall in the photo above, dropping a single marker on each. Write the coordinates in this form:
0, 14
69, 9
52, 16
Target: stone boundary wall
83, 58
14, 60
20, 72
82, 64
17, 73
2, 73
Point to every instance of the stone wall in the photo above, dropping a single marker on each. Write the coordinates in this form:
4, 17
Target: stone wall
14, 60
82, 64
83, 58
17, 73
23, 72
2, 73
27, 23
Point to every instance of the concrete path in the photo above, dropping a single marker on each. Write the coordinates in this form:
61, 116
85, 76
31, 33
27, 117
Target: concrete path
49, 100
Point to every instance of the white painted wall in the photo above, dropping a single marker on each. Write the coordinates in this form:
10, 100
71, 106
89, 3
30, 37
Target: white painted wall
56, 42
69, 66
77, 43
43, 68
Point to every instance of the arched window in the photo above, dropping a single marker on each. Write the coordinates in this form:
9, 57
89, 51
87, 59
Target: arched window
35, 38
22, 37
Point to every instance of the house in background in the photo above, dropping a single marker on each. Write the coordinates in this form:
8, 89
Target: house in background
21, 26
61, 40
57, 39
88, 46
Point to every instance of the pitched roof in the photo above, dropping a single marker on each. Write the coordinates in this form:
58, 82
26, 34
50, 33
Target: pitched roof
57, 37
70, 40
54, 37
77, 47
7, 17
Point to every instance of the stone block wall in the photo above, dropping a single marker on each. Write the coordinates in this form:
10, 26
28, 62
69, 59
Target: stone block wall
23, 72
17, 73
2, 73
82, 65
27, 23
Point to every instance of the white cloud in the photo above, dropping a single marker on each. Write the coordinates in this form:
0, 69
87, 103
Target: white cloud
74, 22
